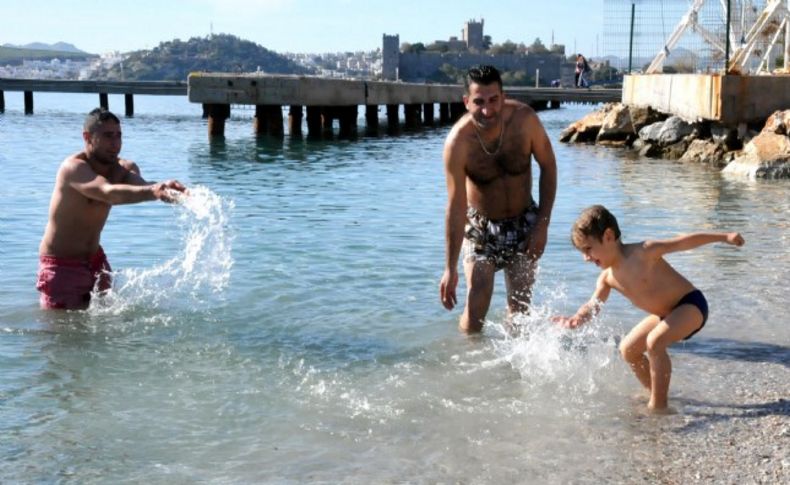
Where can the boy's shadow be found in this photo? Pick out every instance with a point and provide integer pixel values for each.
(728, 349)
(703, 419)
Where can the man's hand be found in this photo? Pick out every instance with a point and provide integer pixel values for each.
(169, 191)
(735, 239)
(538, 239)
(447, 288)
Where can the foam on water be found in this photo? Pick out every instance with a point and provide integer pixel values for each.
(196, 276)
(572, 362)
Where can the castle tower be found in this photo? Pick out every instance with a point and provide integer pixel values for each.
(390, 56)
(472, 34)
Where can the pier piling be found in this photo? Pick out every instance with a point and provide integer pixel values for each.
(104, 101)
(314, 121)
(427, 114)
(371, 118)
(217, 114)
(28, 102)
(129, 105)
(2, 102)
(295, 120)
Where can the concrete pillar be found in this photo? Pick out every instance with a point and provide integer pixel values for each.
(295, 120)
(371, 118)
(129, 105)
(28, 102)
(427, 114)
(217, 114)
(348, 120)
(412, 115)
(444, 113)
(392, 117)
(314, 121)
(103, 101)
(328, 116)
(2, 102)
(268, 120)
(456, 111)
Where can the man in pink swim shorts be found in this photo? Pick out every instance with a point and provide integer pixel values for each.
(72, 263)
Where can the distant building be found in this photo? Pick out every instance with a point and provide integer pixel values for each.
(461, 54)
(390, 56)
(472, 34)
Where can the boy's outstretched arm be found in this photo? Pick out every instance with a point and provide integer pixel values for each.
(684, 242)
(590, 309)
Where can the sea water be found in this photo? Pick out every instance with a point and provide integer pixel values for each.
(282, 323)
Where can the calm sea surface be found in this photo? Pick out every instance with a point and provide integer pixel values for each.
(285, 326)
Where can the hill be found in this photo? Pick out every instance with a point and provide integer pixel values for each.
(174, 60)
(58, 46)
(15, 55)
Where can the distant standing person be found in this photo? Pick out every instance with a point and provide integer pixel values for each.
(582, 68)
(677, 310)
(87, 185)
(490, 210)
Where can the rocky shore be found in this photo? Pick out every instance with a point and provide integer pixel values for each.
(745, 151)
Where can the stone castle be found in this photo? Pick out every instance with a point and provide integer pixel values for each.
(461, 54)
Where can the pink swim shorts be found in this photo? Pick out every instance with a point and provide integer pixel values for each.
(66, 283)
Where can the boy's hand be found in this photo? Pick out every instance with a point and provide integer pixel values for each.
(735, 239)
(567, 322)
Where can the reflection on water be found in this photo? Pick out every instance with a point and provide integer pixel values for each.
(287, 327)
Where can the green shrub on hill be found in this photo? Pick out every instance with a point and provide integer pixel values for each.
(174, 60)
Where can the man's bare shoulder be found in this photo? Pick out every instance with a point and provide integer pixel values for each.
(74, 163)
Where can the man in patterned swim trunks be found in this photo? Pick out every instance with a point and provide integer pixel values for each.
(490, 211)
(71, 262)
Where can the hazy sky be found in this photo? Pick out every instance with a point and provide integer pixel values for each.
(296, 25)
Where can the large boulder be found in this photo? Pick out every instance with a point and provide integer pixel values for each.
(766, 156)
(778, 122)
(705, 151)
(674, 130)
(616, 126)
(587, 128)
(641, 117)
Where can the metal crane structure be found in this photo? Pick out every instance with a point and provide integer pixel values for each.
(753, 32)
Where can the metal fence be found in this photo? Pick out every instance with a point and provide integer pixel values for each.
(692, 35)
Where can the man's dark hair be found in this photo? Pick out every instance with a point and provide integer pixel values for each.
(593, 222)
(96, 117)
(483, 75)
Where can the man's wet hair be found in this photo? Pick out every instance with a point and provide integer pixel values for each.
(96, 117)
(593, 222)
(482, 74)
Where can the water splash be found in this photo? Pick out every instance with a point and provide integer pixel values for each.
(575, 362)
(198, 274)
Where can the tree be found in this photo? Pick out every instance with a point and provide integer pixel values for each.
(537, 47)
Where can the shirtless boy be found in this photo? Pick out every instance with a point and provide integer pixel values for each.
(638, 270)
(88, 184)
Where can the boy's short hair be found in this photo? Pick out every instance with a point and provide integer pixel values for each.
(594, 221)
(482, 74)
(96, 117)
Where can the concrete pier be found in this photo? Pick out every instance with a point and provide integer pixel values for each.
(102, 88)
(731, 99)
(337, 98)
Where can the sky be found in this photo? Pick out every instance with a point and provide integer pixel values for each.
(308, 26)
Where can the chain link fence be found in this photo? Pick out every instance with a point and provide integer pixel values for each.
(691, 34)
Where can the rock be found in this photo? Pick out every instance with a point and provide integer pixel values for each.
(616, 125)
(587, 128)
(705, 151)
(641, 117)
(673, 130)
(778, 123)
(677, 149)
(766, 156)
(650, 150)
(650, 132)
